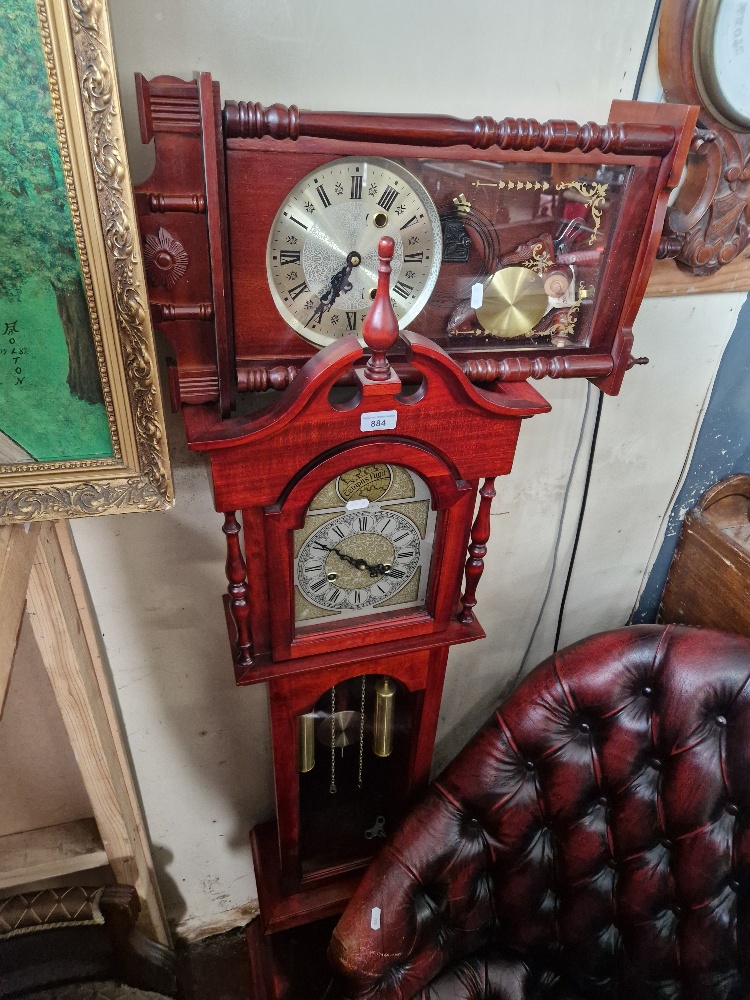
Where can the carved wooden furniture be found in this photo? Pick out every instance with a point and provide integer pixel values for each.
(588, 842)
(707, 226)
(709, 577)
(80, 933)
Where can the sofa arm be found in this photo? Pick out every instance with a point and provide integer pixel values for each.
(432, 888)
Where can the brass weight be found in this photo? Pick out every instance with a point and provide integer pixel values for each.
(385, 701)
(305, 742)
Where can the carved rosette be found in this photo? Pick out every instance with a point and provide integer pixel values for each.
(165, 258)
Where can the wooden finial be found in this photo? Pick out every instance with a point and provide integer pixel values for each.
(380, 328)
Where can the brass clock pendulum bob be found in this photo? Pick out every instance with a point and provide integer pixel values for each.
(336, 731)
(514, 301)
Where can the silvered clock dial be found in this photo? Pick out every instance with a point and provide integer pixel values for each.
(322, 258)
(366, 546)
(722, 38)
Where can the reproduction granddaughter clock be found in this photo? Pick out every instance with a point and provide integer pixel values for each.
(357, 513)
(397, 280)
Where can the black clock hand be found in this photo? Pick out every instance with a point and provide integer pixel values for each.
(357, 563)
(379, 569)
(339, 283)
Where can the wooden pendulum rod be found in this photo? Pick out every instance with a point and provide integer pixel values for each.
(480, 535)
(238, 590)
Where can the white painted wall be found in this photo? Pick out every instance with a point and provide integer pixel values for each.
(200, 747)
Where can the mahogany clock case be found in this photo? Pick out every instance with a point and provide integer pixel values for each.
(584, 205)
(516, 207)
(274, 467)
(449, 432)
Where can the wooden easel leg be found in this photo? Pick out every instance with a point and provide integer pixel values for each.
(17, 547)
(63, 624)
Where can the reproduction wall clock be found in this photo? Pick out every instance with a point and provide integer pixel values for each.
(523, 249)
(357, 503)
(703, 60)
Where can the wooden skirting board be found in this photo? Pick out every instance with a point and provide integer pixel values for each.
(40, 573)
(668, 279)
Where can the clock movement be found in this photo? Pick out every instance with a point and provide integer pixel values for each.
(397, 280)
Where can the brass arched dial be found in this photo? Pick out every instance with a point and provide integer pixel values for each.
(322, 258)
(366, 546)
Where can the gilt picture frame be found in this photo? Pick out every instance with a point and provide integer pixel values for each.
(81, 423)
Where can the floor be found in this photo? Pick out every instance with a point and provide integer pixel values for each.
(218, 968)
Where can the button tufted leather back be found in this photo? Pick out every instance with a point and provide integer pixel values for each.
(597, 830)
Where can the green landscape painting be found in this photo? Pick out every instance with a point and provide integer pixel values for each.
(51, 405)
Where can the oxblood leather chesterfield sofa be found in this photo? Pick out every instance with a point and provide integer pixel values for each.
(592, 841)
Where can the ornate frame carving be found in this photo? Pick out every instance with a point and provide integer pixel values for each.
(709, 224)
(77, 44)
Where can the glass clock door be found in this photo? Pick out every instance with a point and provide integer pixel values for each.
(352, 759)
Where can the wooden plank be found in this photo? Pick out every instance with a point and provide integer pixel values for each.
(49, 852)
(149, 891)
(40, 783)
(17, 546)
(62, 621)
(668, 279)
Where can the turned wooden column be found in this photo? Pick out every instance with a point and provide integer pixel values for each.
(238, 590)
(480, 534)
(380, 327)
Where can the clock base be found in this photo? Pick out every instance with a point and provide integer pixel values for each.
(280, 911)
(291, 965)
(287, 942)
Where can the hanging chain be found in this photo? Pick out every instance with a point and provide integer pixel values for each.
(361, 733)
(332, 788)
